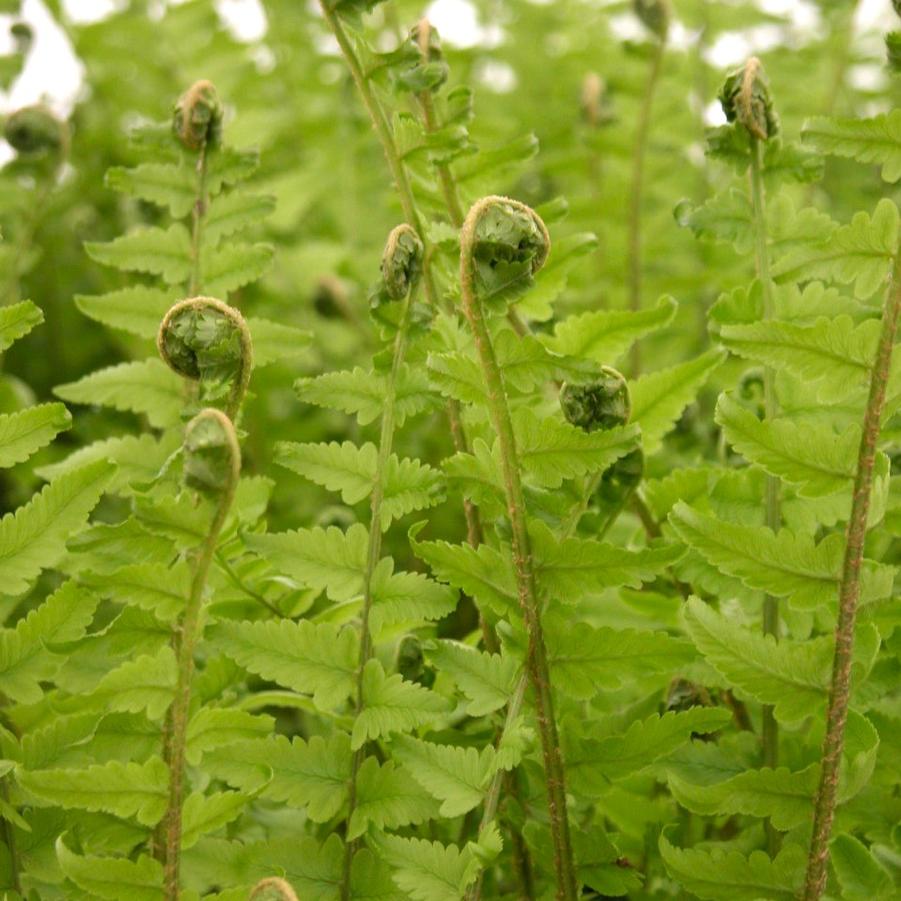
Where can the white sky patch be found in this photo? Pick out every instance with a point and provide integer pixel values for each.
(458, 24)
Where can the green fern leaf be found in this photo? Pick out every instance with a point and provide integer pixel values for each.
(235, 212)
(137, 310)
(456, 776)
(783, 564)
(876, 140)
(324, 559)
(137, 790)
(34, 537)
(228, 166)
(161, 590)
(730, 876)
(570, 568)
(227, 268)
(861, 875)
(315, 659)
(388, 798)
(428, 871)
(147, 387)
(834, 353)
(213, 727)
(859, 253)
(551, 450)
(404, 596)
(596, 762)
(112, 877)
(27, 431)
(361, 393)
(605, 335)
(163, 252)
(146, 684)
(273, 341)
(811, 456)
(163, 184)
(659, 398)
(16, 321)
(793, 676)
(487, 680)
(527, 364)
(202, 814)
(391, 704)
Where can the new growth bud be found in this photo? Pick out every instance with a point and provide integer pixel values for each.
(431, 69)
(654, 14)
(34, 130)
(745, 97)
(594, 101)
(505, 243)
(197, 121)
(206, 340)
(601, 404)
(401, 261)
(212, 463)
(273, 889)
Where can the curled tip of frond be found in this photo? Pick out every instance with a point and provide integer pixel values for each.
(273, 889)
(401, 261)
(503, 243)
(212, 454)
(34, 131)
(655, 15)
(422, 32)
(197, 120)
(202, 337)
(746, 99)
(603, 403)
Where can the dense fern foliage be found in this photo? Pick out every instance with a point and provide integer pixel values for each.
(453, 467)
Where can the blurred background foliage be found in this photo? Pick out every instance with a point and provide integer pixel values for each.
(558, 91)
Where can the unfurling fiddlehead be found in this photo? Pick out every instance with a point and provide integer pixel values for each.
(401, 273)
(503, 243)
(273, 889)
(746, 100)
(208, 341)
(35, 131)
(201, 339)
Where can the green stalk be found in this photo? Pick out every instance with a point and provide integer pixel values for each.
(185, 643)
(198, 215)
(373, 555)
(536, 658)
(772, 498)
(637, 190)
(849, 596)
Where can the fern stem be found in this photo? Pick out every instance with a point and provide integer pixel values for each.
(849, 596)
(198, 214)
(185, 643)
(536, 659)
(373, 555)
(637, 190)
(771, 485)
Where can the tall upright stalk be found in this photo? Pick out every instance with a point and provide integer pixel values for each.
(771, 485)
(209, 430)
(849, 596)
(382, 127)
(642, 131)
(536, 655)
(403, 254)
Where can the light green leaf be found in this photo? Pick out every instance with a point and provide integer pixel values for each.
(163, 184)
(27, 431)
(487, 680)
(163, 252)
(207, 813)
(112, 877)
(213, 727)
(234, 212)
(876, 140)
(138, 309)
(231, 266)
(17, 320)
(274, 341)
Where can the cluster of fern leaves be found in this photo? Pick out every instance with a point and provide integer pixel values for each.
(541, 582)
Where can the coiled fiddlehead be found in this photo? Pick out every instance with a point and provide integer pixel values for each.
(34, 131)
(601, 404)
(273, 889)
(401, 261)
(503, 243)
(745, 98)
(206, 340)
(197, 119)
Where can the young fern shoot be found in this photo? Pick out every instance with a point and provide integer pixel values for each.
(199, 338)
(401, 273)
(499, 232)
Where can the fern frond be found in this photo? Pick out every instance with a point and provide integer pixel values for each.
(27, 431)
(876, 140)
(157, 251)
(16, 321)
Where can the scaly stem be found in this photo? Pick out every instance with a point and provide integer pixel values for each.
(385, 135)
(638, 160)
(848, 597)
(772, 499)
(177, 719)
(198, 214)
(373, 555)
(536, 658)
